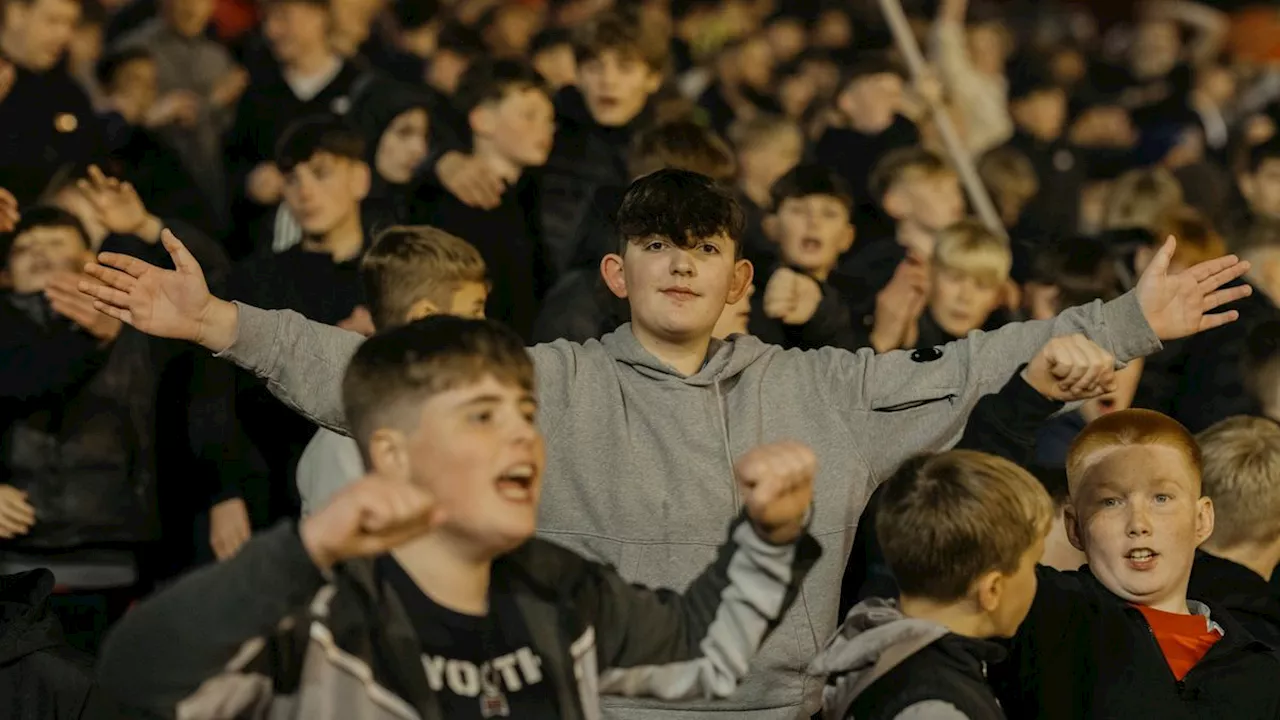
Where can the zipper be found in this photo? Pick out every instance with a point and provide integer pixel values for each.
(913, 404)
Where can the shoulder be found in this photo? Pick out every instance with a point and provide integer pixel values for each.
(931, 710)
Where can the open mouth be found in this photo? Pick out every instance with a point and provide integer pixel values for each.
(811, 245)
(1142, 558)
(517, 483)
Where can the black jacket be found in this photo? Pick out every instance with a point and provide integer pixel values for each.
(1243, 592)
(347, 649)
(41, 677)
(1082, 652)
(1054, 211)
(952, 670)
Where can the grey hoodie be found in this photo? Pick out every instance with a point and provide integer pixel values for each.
(874, 639)
(640, 458)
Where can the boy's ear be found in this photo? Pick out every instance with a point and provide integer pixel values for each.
(611, 269)
(652, 82)
(363, 179)
(388, 455)
(851, 234)
(482, 120)
(988, 589)
(421, 309)
(770, 227)
(1071, 523)
(1204, 519)
(741, 284)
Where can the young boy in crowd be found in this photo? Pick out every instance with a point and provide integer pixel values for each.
(969, 271)
(420, 587)
(409, 273)
(457, 47)
(551, 54)
(661, 381)
(307, 78)
(1241, 464)
(1011, 180)
(512, 120)
(1259, 185)
(962, 532)
(766, 147)
(1122, 637)
(1038, 106)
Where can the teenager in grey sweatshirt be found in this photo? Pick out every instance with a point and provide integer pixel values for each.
(638, 423)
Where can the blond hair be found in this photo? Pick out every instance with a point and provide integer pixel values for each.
(1128, 428)
(1242, 477)
(969, 248)
(1197, 239)
(947, 519)
(904, 165)
(411, 263)
(1010, 178)
(1141, 198)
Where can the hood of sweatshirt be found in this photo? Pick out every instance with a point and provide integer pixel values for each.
(27, 625)
(725, 358)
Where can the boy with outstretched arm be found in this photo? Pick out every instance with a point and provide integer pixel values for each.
(419, 591)
(631, 416)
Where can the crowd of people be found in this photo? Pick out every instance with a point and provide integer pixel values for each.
(636, 359)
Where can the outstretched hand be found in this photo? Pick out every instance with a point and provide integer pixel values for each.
(165, 303)
(1178, 304)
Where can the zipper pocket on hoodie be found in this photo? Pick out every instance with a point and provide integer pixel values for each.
(913, 404)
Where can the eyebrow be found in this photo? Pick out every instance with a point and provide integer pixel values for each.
(492, 399)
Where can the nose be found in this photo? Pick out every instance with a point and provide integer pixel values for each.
(1139, 523)
(682, 262)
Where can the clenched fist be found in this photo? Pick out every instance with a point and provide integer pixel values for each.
(367, 518)
(776, 482)
(791, 297)
(1072, 367)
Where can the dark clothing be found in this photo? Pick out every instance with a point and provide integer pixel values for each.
(756, 245)
(1241, 591)
(1054, 439)
(862, 273)
(157, 172)
(497, 649)
(579, 308)
(1082, 652)
(47, 126)
(1061, 170)
(40, 677)
(508, 239)
(950, 670)
(377, 103)
(349, 648)
(721, 113)
(584, 156)
(854, 154)
(830, 325)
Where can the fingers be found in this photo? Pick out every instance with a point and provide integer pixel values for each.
(182, 258)
(1209, 322)
(1160, 263)
(108, 292)
(111, 311)
(76, 307)
(1228, 295)
(1207, 269)
(1080, 367)
(126, 264)
(1224, 276)
(16, 514)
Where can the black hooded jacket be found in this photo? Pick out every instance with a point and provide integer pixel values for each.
(373, 106)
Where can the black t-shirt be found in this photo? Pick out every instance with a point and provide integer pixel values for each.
(478, 667)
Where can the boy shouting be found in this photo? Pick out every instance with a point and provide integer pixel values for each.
(418, 591)
(685, 406)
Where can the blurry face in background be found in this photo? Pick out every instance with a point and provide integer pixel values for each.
(403, 146)
(86, 47)
(294, 29)
(1068, 66)
(42, 252)
(420, 41)
(833, 30)
(787, 38)
(134, 89)
(796, 94)
(933, 201)
(1156, 49)
(616, 86)
(520, 126)
(1042, 114)
(187, 18)
(323, 192)
(961, 302)
(1262, 188)
(813, 232)
(445, 70)
(754, 64)
(557, 66)
(41, 31)
(1122, 399)
(988, 48)
(352, 23)
(512, 29)
(765, 164)
(1217, 84)
(871, 102)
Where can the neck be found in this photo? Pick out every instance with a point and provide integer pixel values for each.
(501, 165)
(455, 580)
(757, 190)
(868, 126)
(344, 242)
(953, 616)
(1261, 558)
(913, 236)
(312, 63)
(686, 357)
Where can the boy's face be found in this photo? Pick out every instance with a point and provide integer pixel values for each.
(1155, 49)
(43, 28)
(1138, 515)
(135, 88)
(677, 293)
(324, 191)
(1262, 188)
(478, 451)
(960, 302)
(933, 201)
(616, 86)
(1042, 113)
(1121, 399)
(521, 126)
(557, 65)
(872, 101)
(403, 146)
(188, 18)
(813, 232)
(1019, 592)
(766, 163)
(445, 71)
(468, 300)
(294, 29)
(42, 252)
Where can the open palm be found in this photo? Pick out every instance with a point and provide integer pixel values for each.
(1177, 305)
(164, 303)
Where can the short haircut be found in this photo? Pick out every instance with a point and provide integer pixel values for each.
(460, 40)
(1140, 198)
(1197, 239)
(680, 206)
(92, 13)
(947, 519)
(759, 130)
(315, 134)
(970, 248)
(550, 39)
(868, 65)
(487, 81)
(628, 33)
(1030, 76)
(1261, 153)
(1083, 269)
(395, 371)
(1242, 477)
(110, 64)
(407, 264)
(40, 216)
(1007, 172)
(685, 145)
(1128, 428)
(904, 164)
(415, 14)
(809, 179)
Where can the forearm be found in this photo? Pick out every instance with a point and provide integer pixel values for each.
(1006, 423)
(164, 649)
